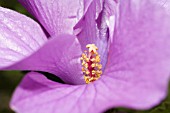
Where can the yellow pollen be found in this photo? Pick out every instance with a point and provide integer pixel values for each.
(93, 72)
(87, 72)
(92, 47)
(91, 66)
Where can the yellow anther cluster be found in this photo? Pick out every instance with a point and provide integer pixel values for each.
(91, 66)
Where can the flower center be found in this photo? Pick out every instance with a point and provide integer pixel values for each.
(91, 66)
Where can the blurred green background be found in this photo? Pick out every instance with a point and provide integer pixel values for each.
(9, 80)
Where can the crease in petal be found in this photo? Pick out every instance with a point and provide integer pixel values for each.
(20, 36)
(59, 56)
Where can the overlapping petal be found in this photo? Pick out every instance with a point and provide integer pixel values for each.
(57, 16)
(20, 36)
(95, 26)
(89, 18)
(136, 75)
(86, 28)
(59, 56)
(139, 55)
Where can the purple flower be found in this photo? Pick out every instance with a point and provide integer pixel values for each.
(133, 42)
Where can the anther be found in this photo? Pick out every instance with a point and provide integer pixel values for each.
(91, 66)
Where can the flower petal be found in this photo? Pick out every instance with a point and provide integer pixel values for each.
(20, 36)
(59, 56)
(36, 94)
(139, 58)
(57, 16)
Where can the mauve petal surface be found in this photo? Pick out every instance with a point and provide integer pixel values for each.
(86, 28)
(57, 16)
(95, 26)
(20, 36)
(139, 57)
(59, 56)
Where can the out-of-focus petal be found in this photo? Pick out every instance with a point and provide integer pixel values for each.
(59, 56)
(20, 36)
(138, 68)
(57, 16)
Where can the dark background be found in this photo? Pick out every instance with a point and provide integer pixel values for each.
(10, 79)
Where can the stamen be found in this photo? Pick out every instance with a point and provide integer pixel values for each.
(91, 66)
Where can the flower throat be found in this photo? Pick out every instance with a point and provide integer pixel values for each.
(91, 66)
